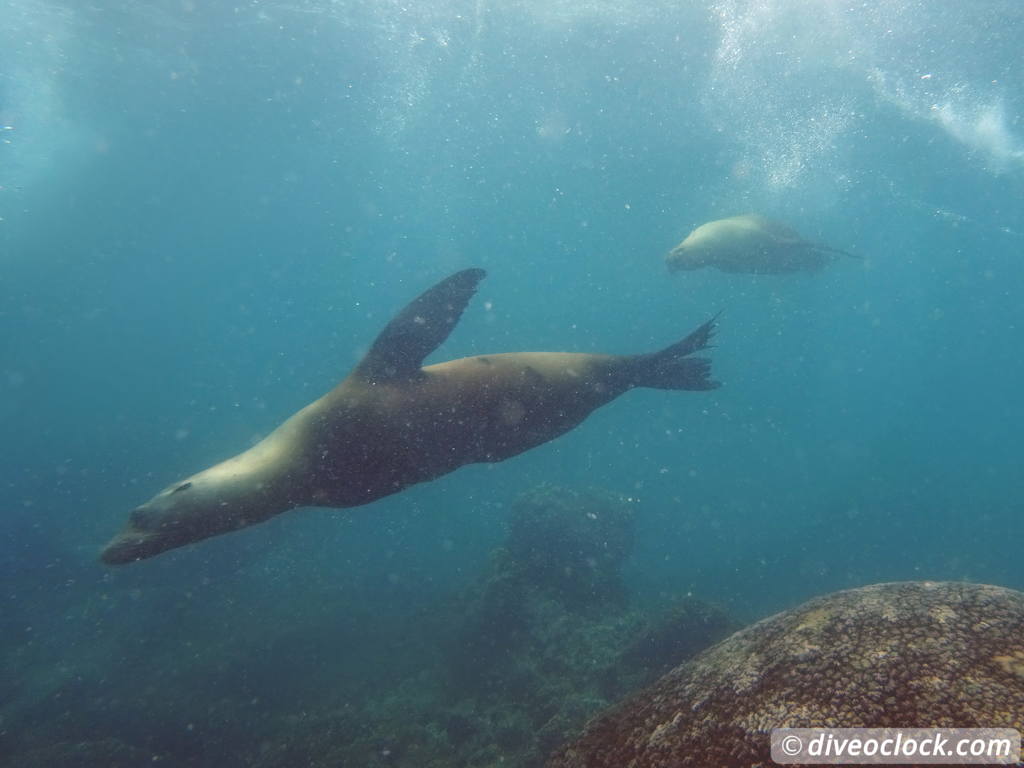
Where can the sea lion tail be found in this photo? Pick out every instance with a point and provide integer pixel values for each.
(672, 368)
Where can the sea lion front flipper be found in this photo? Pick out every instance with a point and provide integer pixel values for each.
(420, 328)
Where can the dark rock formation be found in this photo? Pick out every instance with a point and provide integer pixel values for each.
(686, 629)
(573, 543)
(543, 640)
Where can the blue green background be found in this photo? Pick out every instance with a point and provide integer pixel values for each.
(208, 210)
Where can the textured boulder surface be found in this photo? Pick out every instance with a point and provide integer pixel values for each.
(903, 654)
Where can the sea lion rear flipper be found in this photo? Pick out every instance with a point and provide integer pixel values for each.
(672, 368)
(420, 328)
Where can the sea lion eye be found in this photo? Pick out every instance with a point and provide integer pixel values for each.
(182, 487)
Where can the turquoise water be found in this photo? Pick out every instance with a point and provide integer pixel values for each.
(207, 212)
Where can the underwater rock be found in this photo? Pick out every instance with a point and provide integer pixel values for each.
(563, 554)
(547, 638)
(544, 639)
(902, 654)
(686, 629)
(571, 542)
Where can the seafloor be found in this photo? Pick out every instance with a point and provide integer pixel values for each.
(500, 675)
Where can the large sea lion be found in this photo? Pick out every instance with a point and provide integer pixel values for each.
(750, 243)
(392, 423)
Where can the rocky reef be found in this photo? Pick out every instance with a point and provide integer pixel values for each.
(544, 639)
(498, 673)
(912, 654)
(571, 544)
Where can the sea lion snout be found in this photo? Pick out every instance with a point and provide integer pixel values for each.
(683, 258)
(128, 546)
(131, 543)
(149, 531)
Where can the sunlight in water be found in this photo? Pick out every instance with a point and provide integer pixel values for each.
(37, 137)
(791, 84)
(983, 130)
(976, 121)
(785, 134)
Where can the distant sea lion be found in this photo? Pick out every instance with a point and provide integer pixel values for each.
(392, 423)
(750, 243)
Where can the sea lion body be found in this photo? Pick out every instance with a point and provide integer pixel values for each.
(476, 409)
(392, 423)
(751, 244)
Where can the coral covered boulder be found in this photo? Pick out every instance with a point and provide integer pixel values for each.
(901, 654)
